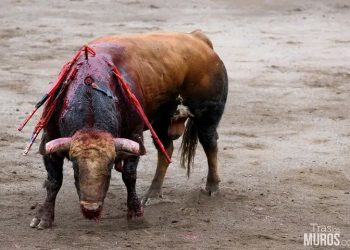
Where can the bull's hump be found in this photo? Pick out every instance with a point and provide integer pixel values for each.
(201, 36)
(152, 40)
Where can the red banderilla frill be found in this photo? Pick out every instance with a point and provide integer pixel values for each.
(67, 73)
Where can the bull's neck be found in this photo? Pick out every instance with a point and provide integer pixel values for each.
(91, 101)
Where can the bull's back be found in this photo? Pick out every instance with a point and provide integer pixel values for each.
(164, 65)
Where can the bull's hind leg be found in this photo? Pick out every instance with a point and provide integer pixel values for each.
(208, 138)
(208, 119)
(46, 212)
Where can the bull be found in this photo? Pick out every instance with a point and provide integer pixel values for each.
(96, 126)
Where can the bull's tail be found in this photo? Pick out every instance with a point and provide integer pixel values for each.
(189, 145)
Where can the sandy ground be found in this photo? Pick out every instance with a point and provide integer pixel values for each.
(284, 138)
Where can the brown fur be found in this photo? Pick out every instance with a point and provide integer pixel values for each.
(203, 37)
(176, 127)
(164, 64)
(92, 143)
(93, 150)
(177, 123)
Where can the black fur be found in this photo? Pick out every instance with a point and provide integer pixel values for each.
(207, 114)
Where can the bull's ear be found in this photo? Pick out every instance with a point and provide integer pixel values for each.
(126, 148)
(58, 145)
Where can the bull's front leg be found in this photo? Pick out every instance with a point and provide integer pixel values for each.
(155, 190)
(46, 212)
(129, 175)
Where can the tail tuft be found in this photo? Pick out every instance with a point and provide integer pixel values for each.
(189, 145)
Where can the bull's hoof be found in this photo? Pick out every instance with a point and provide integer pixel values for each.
(156, 198)
(43, 219)
(135, 214)
(153, 196)
(40, 223)
(211, 189)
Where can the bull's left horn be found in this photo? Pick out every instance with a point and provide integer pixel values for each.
(128, 146)
(58, 145)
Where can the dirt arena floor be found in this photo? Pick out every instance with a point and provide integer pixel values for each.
(284, 138)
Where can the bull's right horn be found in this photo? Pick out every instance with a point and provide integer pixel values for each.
(128, 146)
(58, 145)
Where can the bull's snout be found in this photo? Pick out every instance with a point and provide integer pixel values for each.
(91, 210)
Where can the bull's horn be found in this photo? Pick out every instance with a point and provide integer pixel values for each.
(58, 145)
(128, 146)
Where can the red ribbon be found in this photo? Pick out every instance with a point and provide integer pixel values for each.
(139, 109)
(51, 97)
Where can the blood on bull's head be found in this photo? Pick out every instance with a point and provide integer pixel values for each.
(93, 153)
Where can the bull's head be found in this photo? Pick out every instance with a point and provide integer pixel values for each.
(93, 153)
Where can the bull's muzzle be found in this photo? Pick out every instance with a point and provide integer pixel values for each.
(91, 210)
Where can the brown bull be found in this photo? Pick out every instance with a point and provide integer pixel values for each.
(98, 127)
